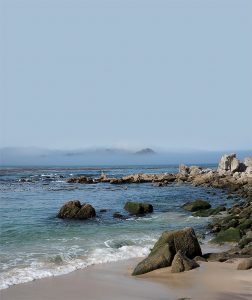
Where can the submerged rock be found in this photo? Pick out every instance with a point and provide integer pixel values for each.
(74, 210)
(182, 263)
(196, 205)
(117, 215)
(166, 248)
(138, 208)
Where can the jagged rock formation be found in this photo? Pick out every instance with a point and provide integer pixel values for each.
(167, 247)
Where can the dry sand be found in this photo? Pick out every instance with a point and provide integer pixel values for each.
(113, 281)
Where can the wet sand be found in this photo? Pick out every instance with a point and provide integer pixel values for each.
(220, 281)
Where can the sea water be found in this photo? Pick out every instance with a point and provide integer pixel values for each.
(35, 243)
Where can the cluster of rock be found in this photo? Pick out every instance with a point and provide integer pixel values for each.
(75, 210)
(230, 165)
(202, 208)
(180, 245)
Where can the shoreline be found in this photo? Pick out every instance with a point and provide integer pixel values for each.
(213, 280)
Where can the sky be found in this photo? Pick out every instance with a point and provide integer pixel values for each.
(167, 74)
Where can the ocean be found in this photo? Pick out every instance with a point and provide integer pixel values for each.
(36, 244)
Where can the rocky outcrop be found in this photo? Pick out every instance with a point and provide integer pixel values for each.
(229, 164)
(138, 208)
(166, 248)
(182, 263)
(74, 210)
(196, 205)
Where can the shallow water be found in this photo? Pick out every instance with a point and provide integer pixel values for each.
(35, 244)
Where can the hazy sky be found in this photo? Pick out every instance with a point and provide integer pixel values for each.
(127, 73)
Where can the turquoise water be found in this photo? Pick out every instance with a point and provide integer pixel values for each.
(35, 244)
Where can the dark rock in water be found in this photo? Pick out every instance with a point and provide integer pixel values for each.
(74, 210)
(196, 205)
(166, 248)
(245, 264)
(117, 215)
(69, 209)
(86, 212)
(182, 263)
(81, 179)
(138, 208)
(229, 235)
(103, 210)
(209, 212)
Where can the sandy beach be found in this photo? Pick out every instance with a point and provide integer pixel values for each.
(211, 281)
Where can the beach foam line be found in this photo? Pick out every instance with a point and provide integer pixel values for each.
(38, 270)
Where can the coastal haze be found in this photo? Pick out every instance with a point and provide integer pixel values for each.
(121, 120)
(108, 157)
(126, 74)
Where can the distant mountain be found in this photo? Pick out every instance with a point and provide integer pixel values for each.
(146, 151)
(32, 156)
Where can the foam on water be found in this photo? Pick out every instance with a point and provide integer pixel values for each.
(61, 265)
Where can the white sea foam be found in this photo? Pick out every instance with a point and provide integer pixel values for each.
(38, 270)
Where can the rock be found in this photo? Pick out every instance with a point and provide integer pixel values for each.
(81, 179)
(166, 248)
(221, 256)
(103, 210)
(229, 164)
(86, 212)
(248, 161)
(195, 170)
(245, 264)
(229, 235)
(209, 212)
(182, 263)
(183, 169)
(104, 178)
(247, 250)
(244, 241)
(117, 215)
(199, 258)
(196, 205)
(245, 224)
(138, 208)
(74, 210)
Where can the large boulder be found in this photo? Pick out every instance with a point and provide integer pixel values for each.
(196, 205)
(74, 210)
(138, 208)
(229, 164)
(182, 263)
(166, 248)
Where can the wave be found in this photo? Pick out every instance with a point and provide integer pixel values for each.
(63, 264)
